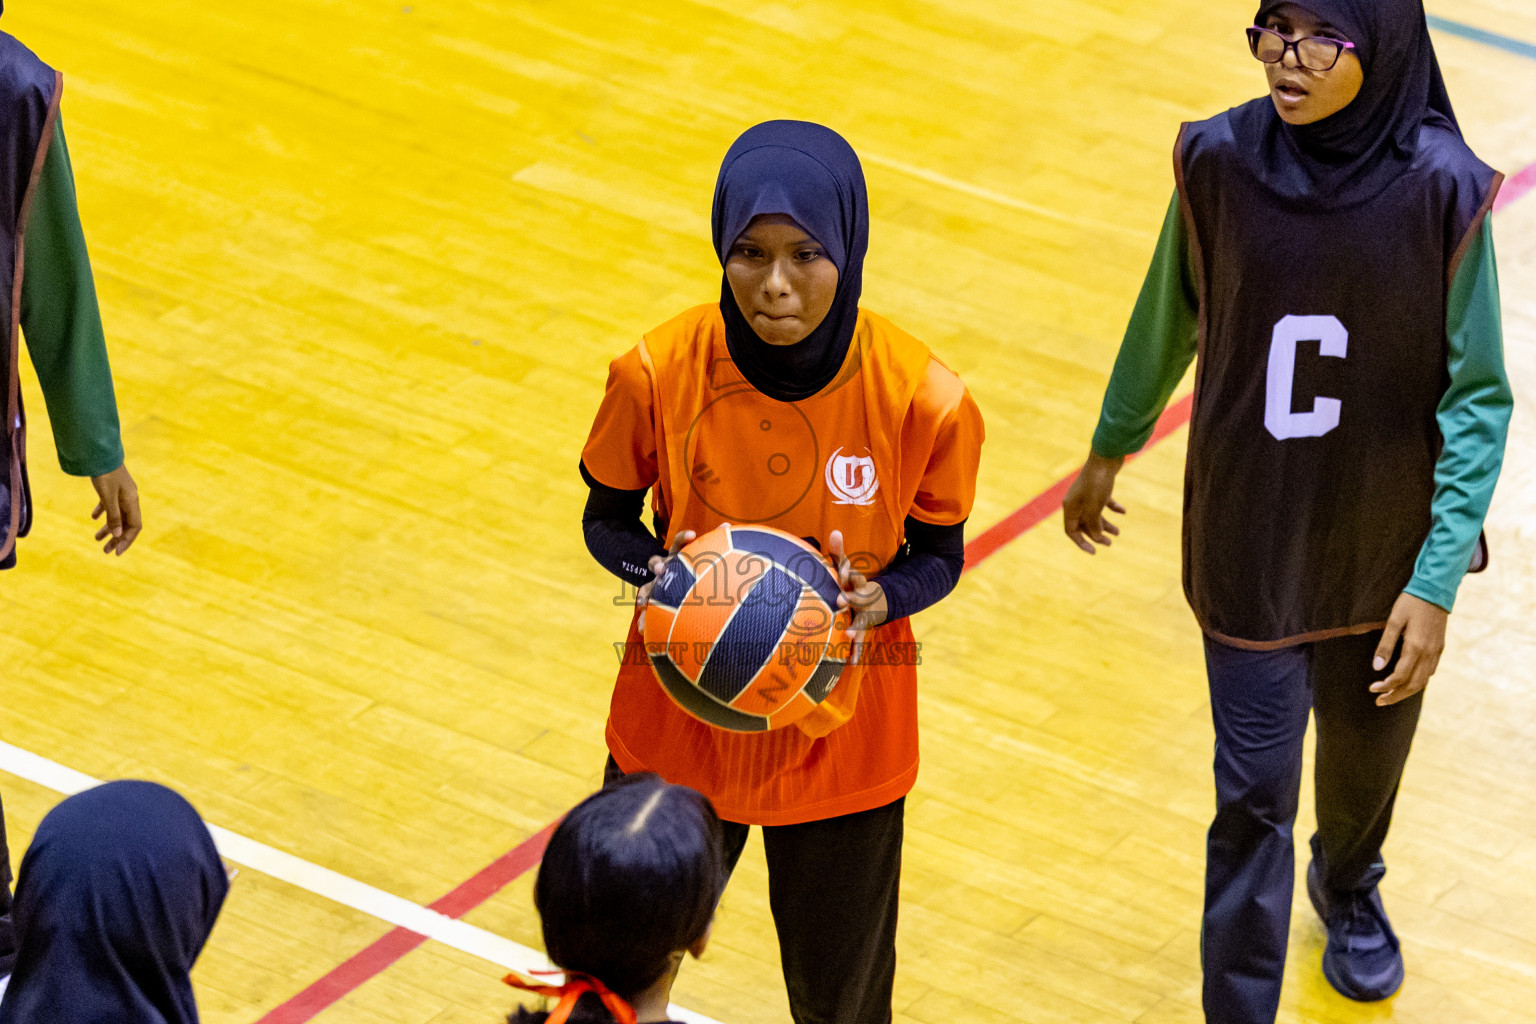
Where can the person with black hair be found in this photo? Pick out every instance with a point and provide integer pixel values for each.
(628, 886)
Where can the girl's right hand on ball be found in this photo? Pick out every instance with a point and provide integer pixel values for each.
(864, 597)
(1083, 509)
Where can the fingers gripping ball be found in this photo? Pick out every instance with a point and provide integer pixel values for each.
(743, 631)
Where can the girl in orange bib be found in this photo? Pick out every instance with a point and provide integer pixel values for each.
(786, 405)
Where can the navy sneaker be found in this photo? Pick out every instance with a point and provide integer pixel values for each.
(1363, 960)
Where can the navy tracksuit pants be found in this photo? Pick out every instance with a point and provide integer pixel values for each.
(1260, 702)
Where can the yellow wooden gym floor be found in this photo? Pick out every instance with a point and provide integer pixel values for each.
(362, 265)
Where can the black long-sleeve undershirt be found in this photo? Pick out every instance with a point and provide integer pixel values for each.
(923, 572)
(615, 532)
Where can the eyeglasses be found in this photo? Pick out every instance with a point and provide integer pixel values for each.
(1315, 53)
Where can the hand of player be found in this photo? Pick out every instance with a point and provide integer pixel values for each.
(658, 565)
(863, 595)
(1421, 627)
(119, 501)
(1083, 509)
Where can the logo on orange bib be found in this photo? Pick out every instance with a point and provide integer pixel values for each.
(851, 479)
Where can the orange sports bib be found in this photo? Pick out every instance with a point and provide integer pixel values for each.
(895, 434)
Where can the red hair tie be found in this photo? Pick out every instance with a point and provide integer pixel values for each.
(575, 986)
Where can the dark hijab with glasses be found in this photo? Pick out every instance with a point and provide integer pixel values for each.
(1337, 283)
(1355, 154)
(1353, 229)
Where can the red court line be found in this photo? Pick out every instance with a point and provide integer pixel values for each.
(384, 953)
(379, 956)
(1045, 504)
(395, 944)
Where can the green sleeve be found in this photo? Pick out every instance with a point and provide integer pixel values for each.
(62, 324)
(1474, 421)
(1158, 347)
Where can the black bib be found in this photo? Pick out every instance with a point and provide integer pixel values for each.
(29, 101)
(1322, 362)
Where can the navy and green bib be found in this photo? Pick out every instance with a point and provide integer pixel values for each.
(29, 103)
(1322, 363)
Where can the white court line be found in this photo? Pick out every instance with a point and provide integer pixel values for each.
(332, 885)
(1001, 198)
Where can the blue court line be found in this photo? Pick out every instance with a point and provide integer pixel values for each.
(1480, 35)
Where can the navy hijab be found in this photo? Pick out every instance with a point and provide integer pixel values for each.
(1355, 154)
(809, 173)
(114, 901)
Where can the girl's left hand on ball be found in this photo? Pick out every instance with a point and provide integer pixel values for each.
(658, 565)
(863, 595)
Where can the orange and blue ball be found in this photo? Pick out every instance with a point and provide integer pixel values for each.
(743, 631)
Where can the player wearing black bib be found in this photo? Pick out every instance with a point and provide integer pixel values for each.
(47, 293)
(1329, 257)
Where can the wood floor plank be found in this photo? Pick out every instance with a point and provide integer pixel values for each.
(362, 265)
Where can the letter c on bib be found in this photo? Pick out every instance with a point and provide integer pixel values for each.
(1333, 340)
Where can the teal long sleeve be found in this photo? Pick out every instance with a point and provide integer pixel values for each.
(62, 324)
(1474, 421)
(1159, 345)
